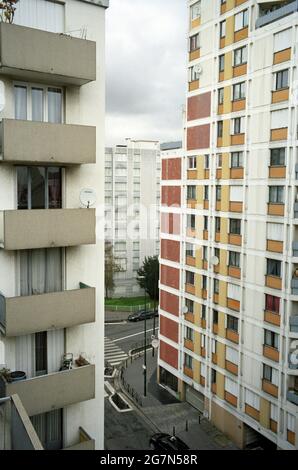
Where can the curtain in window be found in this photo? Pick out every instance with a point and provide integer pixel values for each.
(37, 104)
(236, 193)
(252, 399)
(275, 232)
(20, 102)
(231, 387)
(54, 105)
(234, 292)
(232, 355)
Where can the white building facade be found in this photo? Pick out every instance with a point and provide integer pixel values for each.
(52, 253)
(132, 199)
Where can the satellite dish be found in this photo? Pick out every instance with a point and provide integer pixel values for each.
(199, 70)
(184, 310)
(214, 261)
(87, 197)
(155, 342)
(2, 96)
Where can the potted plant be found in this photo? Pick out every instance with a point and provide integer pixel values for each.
(7, 8)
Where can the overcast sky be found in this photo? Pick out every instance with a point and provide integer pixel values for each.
(146, 69)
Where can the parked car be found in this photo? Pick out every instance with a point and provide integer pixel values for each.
(141, 315)
(162, 441)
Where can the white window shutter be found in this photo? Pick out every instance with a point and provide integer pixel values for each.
(274, 412)
(234, 292)
(236, 193)
(282, 40)
(232, 355)
(252, 399)
(279, 119)
(291, 422)
(275, 232)
(275, 376)
(203, 370)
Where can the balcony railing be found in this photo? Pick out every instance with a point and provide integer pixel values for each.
(30, 142)
(39, 56)
(46, 228)
(52, 391)
(277, 14)
(16, 429)
(34, 313)
(292, 396)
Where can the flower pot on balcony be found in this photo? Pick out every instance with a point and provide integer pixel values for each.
(16, 376)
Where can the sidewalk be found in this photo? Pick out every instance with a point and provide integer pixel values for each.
(166, 412)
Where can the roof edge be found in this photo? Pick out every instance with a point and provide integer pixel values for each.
(98, 3)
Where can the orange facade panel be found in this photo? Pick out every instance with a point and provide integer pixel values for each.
(236, 173)
(276, 209)
(282, 56)
(272, 317)
(233, 304)
(195, 85)
(280, 96)
(193, 55)
(232, 336)
(239, 70)
(235, 272)
(238, 105)
(252, 412)
(188, 372)
(240, 35)
(275, 246)
(269, 388)
(191, 174)
(274, 282)
(238, 139)
(189, 317)
(277, 172)
(279, 134)
(235, 239)
(271, 353)
(230, 367)
(190, 289)
(191, 261)
(236, 206)
(188, 344)
(231, 399)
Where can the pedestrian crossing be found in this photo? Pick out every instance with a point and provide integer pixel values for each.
(113, 354)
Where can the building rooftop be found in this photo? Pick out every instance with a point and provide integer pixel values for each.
(99, 3)
(171, 145)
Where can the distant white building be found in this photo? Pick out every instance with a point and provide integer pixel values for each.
(132, 199)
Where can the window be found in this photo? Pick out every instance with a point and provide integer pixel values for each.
(217, 224)
(232, 355)
(219, 160)
(213, 376)
(216, 286)
(271, 339)
(191, 192)
(222, 29)
(214, 346)
(195, 10)
(206, 193)
(275, 232)
(187, 361)
(38, 103)
(238, 126)
(203, 312)
(231, 387)
(282, 80)
(239, 91)
(192, 163)
(205, 253)
(215, 317)
(189, 251)
(237, 160)
(204, 282)
(241, 20)
(272, 303)
(236, 193)
(270, 374)
(206, 222)
(234, 292)
(219, 129)
(273, 267)
(240, 56)
(190, 305)
(279, 119)
(221, 63)
(217, 252)
(190, 278)
(234, 259)
(218, 193)
(278, 157)
(191, 221)
(189, 333)
(220, 96)
(235, 226)
(282, 40)
(194, 42)
(44, 14)
(252, 399)
(276, 194)
(232, 323)
(207, 162)
(193, 73)
(39, 187)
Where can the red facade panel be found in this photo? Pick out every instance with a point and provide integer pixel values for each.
(170, 223)
(171, 196)
(198, 137)
(171, 169)
(169, 302)
(169, 328)
(168, 354)
(170, 250)
(199, 106)
(169, 276)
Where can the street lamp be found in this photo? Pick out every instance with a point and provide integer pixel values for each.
(145, 341)
(154, 307)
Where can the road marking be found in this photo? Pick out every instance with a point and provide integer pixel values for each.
(135, 334)
(113, 354)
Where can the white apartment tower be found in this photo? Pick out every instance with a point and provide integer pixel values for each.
(229, 235)
(52, 254)
(132, 200)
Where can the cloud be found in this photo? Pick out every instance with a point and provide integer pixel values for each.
(146, 69)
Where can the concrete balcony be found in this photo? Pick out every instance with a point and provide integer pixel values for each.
(52, 391)
(46, 228)
(85, 442)
(31, 314)
(16, 429)
(39, 56)
(292, 396)
(277, 14)
(40, 143)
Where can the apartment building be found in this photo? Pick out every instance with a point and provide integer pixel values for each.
(228, 286)
(52, 253)
(132, 200)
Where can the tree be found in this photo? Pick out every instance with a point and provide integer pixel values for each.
(148, 276)
(111, 267)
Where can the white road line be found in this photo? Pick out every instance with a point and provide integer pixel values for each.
(130, 336)
(113, 354)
